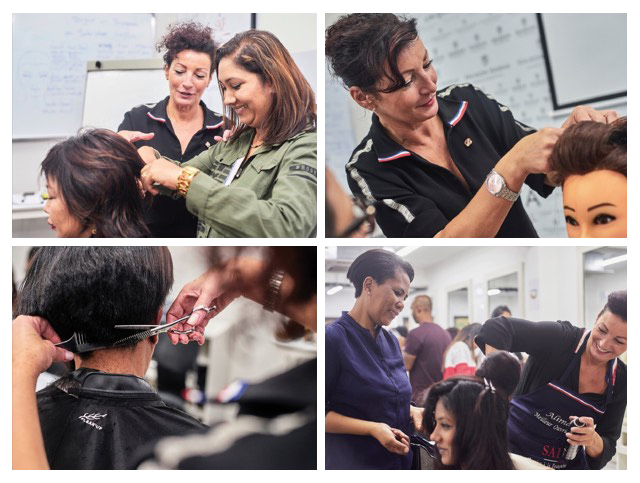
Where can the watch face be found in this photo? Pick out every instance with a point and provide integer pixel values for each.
(494, 183)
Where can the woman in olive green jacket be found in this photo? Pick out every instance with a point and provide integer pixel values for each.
(262, 181)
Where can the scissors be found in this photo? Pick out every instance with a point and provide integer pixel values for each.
(161, 329)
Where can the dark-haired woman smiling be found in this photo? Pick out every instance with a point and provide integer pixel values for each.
(262, 182)
(368, 418)
(93, 187)
(571, 374)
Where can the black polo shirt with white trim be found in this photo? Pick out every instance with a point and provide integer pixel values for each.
(416, 198)
(168, 217)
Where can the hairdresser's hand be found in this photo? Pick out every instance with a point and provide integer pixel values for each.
(531, 154)
(586, 113)
(207, 290)
(226, 135)
(33, 350)
(162, 172)
(583, 436)
(220, 286)
(133, 136)
(416, 416)
(392, 439)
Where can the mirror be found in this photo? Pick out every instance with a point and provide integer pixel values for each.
(604, 270)
(458, 307)
(504, 291)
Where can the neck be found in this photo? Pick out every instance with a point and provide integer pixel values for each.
(183, 113)
(123, 360)
(359, 314)
(408, 134)
(427, 319)
(588, 359)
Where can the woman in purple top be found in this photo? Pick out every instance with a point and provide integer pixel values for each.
(368, 412)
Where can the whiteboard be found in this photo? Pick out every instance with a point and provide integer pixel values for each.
(585, 55)
(50, 52)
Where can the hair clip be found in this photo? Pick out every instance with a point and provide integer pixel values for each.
(489, 385)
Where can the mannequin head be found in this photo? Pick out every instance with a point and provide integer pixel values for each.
(590, 161)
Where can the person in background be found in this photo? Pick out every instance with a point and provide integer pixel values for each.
(180, 126)
(453, 332)
(401, 333)
(94, 187)
(572, 374)
(460, 357)
(368, 412)
(501, 311)
(424, 349)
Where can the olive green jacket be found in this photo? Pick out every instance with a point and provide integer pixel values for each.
(274, 195)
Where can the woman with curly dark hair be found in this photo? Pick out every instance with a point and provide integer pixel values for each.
(180, 126)
(590, 162)
(82, 174)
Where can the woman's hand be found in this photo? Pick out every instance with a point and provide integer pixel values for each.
(148, 154)
(586, 436)
(586, 113)
(133, 136)
(392, 439)
(531, 154)
(33, 348)
(226, 135)
(417, 415)
(162, 172)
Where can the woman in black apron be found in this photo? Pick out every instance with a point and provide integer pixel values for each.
(573, 378)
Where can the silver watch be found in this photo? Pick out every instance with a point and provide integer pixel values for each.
(497, 186)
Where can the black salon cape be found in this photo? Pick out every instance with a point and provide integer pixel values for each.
(93, 420)
(276, 428)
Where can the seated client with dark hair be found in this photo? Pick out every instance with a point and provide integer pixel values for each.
(93, 187)
(99, 414)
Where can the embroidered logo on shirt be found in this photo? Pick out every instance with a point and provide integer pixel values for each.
(91, 418)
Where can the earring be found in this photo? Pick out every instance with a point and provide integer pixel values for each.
(94, 231)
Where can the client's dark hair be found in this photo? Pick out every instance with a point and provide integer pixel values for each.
(616, 304)
(92, 289)
(503, 369)
(97, 175)
(379, 264)
(480, 409)
(363, 48)
(590, 146)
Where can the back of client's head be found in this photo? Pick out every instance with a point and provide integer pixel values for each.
(92, 289)
(97, 173)
(479, 409)
(590, 146)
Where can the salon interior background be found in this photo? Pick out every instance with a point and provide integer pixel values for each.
(503, 55)
(50, 55)
(240, 340)
(467, 283)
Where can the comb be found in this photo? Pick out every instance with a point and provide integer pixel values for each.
(78, 344)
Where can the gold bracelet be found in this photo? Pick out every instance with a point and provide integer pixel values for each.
(184, 180)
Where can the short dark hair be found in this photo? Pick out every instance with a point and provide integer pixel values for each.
(91, 289)
(379, 264)
(481, 411)
(590, 146)
(363, 48)
(616, 304)
(188, 35)
(293, 107)
(499, 310)
(97, 174)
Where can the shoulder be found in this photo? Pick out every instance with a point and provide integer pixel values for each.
(305, 140)
(335, 331)
(363, 153)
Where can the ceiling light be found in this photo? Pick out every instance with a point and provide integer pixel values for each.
(493, 291)
(403, 252)
(611, 261)
(334, 290)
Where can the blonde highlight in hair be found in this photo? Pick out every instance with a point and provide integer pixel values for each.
(293, 105)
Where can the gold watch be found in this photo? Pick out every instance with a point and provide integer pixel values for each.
(184, 180)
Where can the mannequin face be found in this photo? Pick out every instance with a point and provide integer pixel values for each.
(595, 205)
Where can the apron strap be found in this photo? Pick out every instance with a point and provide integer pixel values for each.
(582, 343)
